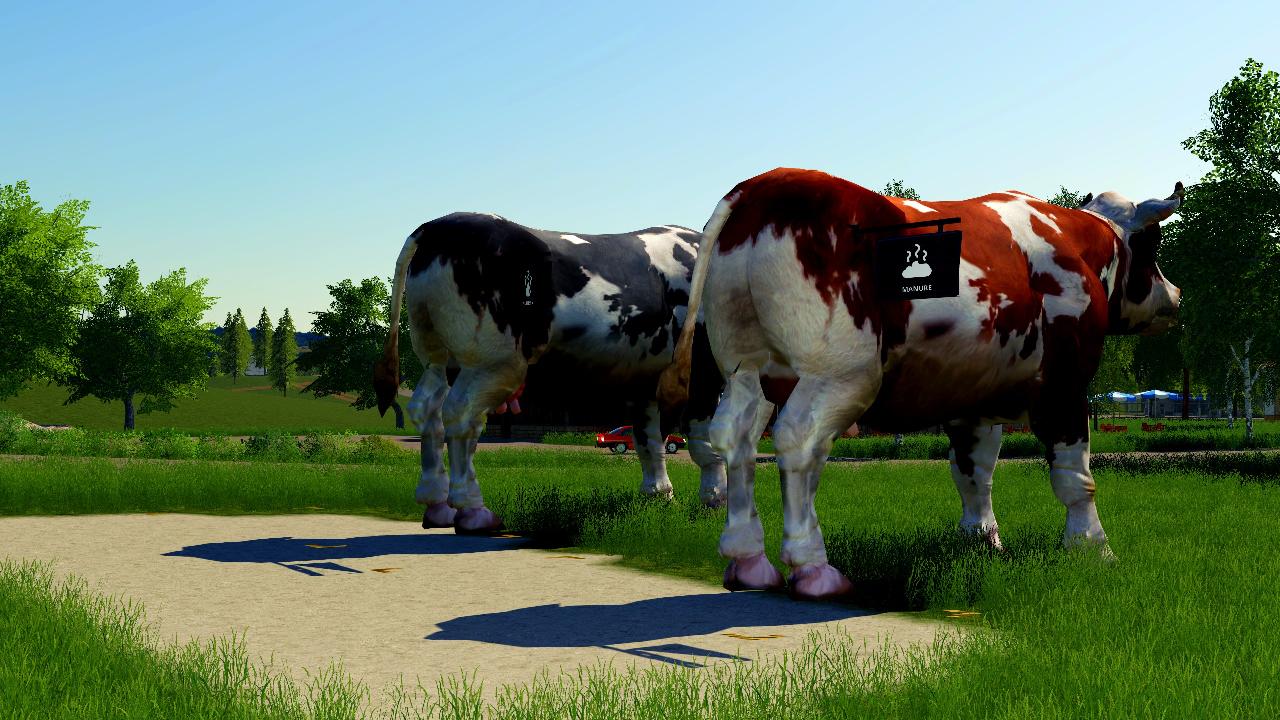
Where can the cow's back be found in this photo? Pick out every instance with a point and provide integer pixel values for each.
(595, 305)
(1029, 275)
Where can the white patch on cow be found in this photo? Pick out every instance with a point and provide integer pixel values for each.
(574, 239)
(1108, 274)
(1016, 215)
(918, 206)
(661, 249)
(589, 309)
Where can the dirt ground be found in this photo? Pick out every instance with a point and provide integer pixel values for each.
(389, 599)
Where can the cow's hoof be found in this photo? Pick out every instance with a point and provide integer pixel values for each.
(1099, 547)
(713, 498)
(438, 515)
(819, 582)
(987, 536)
(660, 492)
(476, 521)
(752, 573)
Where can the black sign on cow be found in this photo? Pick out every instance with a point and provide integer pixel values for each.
(914, 267)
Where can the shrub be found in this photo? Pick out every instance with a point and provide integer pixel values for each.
(169, 445)
(330, 447)
(273, 446)
(377, 449)
(219, 447)
(569, 438)
(13, 429)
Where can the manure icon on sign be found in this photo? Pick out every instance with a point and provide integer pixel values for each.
(917, 267)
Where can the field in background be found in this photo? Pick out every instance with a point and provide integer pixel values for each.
(1181, 620)
(247, 407)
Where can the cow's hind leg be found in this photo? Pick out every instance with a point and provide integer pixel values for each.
(474, 391)
(650, 445)
(974, 449)
(735, 430)
(424, 411)
(818, 410)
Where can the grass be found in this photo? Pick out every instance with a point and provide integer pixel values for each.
(1184, 620)
(246, 407)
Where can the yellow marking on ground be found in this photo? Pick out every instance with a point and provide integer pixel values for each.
(385, 570)
(567, 557)
(961, 613)
(324, 547)
(314, 507)
(506, 535)
(740, 636)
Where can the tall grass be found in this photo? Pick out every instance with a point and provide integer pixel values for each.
(1182, 625)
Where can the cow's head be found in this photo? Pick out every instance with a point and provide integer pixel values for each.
(1143, 300)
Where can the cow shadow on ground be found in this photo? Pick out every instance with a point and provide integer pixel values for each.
(550, 626)
(302, 549)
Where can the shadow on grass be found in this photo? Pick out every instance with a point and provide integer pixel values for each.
(294, 549)
(663, 618)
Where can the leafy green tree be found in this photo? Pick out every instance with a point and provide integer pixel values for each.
(262, 342)
(896, 188)
(1224, 250)
(1067, 198)
(143, 341)
(354, 328)
(1115, 372)
(47, 279)
(284, 354)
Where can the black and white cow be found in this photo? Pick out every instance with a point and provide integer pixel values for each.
(603, 311)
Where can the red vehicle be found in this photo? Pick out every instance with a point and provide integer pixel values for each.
(622, 439)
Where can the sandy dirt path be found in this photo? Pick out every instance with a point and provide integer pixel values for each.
(387, 598)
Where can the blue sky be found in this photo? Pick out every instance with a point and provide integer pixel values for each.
(275, 148)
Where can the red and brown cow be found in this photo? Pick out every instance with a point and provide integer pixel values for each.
(794, 320)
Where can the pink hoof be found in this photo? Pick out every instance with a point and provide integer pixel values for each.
(819, 582)
(476, 521)
(438, 515)
(988, 536)
(752, 573)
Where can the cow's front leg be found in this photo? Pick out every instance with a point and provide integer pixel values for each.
(734, 432)
(1068, 456)
(650, 446)
(424, 410)
(714, 483)
(473, 393)
(974, 449)
(818, 410)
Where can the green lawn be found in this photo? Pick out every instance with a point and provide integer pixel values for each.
(1183, 625)
(246, 407)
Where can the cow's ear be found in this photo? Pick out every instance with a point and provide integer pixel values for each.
(1086, 200)
(1151, 212)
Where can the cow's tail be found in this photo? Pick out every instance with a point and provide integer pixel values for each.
(673, 386)
(386, 372)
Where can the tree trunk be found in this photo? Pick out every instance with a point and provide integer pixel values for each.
(1186, 393)
(129, 414)
(399, 415)
(1231, 419)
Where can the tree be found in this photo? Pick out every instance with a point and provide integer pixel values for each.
(1225, 247)
(284, 354)
(1067, 198)
(1115, 372)
(47, 279)
(896, 188)
(143, 341)
(355, 327)
(262, 342)
(236, 345)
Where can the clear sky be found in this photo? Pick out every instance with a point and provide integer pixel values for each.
(278, 147)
